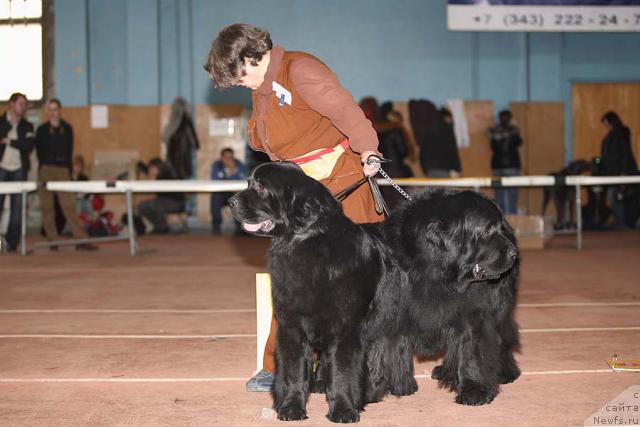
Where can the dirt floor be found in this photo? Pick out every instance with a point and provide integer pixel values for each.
(168, 338)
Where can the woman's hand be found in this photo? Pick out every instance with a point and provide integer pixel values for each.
(369, 169)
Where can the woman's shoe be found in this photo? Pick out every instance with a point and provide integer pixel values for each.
(262, 381)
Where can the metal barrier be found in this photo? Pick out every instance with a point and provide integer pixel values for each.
(205, 186)
(130, 187)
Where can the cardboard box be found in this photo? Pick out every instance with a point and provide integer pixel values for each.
(532, 231)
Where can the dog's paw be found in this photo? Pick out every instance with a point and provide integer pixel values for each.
(405, 389)
(292, 413)
(509, 374)
(348, 415)
(437, 373)
(474, 394)
(445, 380)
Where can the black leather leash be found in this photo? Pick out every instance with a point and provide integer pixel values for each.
(380, 205)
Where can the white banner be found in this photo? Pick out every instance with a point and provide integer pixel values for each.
(487, 17)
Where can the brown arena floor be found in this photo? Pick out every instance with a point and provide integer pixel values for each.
(108, 339)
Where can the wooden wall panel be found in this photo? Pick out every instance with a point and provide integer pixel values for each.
(590, 101)
(210, 146)
(130, 128)
(542, 152)
(476, 159)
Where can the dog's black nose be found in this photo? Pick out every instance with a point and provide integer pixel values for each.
(233, 202)
(513, 255)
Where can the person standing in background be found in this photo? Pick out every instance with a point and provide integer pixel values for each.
(616, 158)
(505, 142)
(440, 157)
(54, 147)
(181, 139)
(16, 144)
(226, 168)
(436, 139)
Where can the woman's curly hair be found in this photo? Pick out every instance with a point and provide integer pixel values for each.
(225, 62)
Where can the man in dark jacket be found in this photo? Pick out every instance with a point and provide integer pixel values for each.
(54, 147)
(16, 143)
(505, 142)
(617, 158)
(616, 155)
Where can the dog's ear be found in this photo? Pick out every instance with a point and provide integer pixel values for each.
(434, 236)
(465, 278)
(305, 213)
(467, 262)
(461, 287)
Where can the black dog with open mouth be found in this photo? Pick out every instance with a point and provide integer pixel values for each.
(336, 290)
(461, 258)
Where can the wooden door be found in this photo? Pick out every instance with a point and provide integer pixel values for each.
(542, 152)
(590, 101)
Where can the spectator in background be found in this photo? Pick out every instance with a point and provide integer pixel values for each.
(505, 142)
(157, 209)
(83, 200)
(227, 167)
(181, 139)
(78, 172)
(439, 153)
(54, 147)
(371, 109)
(617, 158)
(434, 135)
(394, 142)
(16, 144)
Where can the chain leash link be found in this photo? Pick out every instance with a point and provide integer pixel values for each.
(377, 159)
(396, 186)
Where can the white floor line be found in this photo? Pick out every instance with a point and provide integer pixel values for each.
(572, 371)
(613, 328)
(580, 304)
(232, 379)
(127, 311)
(133, 337)
(117, 380)
(561, 372)
(107, 270)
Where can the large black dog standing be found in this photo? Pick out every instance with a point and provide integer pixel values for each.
(325, 273)
(338, 288)
(462, 262)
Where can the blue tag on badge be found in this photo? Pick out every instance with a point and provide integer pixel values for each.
(283, 95)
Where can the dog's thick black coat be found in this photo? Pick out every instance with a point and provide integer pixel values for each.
(461, 259)
(336, 290)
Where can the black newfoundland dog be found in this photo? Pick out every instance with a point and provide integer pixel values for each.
(461, 259)
(438, 277)
(336, 290)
